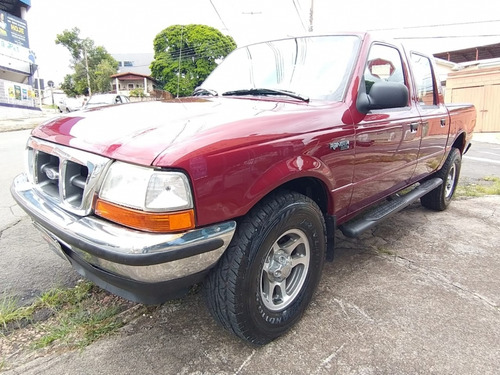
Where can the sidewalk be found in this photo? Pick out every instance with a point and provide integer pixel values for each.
(486, 137)
(7, 125)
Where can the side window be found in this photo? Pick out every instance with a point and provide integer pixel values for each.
(384, 64)
(422, 70)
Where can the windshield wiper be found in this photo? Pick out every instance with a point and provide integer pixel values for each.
(266, 92)
(201, 91)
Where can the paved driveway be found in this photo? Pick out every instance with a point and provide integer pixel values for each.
(418, 295)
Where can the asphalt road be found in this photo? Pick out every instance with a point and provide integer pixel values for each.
(483, 159)
(417, 295)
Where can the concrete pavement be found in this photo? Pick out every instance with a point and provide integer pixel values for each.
(23, 123)
(420, 294)
(417, 295)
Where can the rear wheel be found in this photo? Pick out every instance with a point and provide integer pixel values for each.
(439, 198)
(266, 278)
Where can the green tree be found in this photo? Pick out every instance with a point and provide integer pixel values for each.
(185, 55)
(92, 65)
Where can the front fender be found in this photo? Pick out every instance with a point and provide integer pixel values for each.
(233, 193)
(287, 170)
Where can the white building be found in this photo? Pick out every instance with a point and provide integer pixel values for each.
(17, 62)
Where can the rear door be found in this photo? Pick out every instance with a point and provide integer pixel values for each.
(435, 124)
(387, 140)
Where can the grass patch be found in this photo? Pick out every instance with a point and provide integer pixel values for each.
(79, 327)
(73, 317)
(54, 299)
(58, 298)
(10, 312)
(490, 186)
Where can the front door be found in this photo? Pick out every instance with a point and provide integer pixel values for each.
(387, 140)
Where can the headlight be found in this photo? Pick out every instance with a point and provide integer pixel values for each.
(146, 199)
(146, 189)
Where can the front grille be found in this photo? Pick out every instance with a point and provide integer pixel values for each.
(67, 176)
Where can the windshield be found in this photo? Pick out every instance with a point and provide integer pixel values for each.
(312, 67)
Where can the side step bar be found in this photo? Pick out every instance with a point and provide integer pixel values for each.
(357, 226)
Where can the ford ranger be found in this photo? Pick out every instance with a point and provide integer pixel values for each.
(242, 186)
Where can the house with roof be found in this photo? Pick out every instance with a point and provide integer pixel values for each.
(123, 83)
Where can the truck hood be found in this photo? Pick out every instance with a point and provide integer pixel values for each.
(140, 132)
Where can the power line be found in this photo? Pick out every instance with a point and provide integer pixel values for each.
(218, 15)
(298, 14)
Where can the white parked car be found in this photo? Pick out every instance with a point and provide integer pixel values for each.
(66, 105)
(99, 100)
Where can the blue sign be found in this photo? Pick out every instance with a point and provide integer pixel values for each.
(14, 29)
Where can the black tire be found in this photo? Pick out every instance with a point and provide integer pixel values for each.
(279, 242)
(440, 198)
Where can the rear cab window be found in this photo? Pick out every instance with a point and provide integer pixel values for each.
(424, 79)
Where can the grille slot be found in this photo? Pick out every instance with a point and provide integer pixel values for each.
(68, 177)
(75, 180)
(48, 174)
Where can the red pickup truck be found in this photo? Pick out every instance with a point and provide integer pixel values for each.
(243, 185)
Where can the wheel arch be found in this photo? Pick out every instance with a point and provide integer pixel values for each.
(460, 143)
(315, 189)
(311, 187)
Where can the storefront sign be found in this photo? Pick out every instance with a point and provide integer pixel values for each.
(17, 93)
(13, 29)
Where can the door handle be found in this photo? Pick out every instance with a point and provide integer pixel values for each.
(414, 127)
(443, 122)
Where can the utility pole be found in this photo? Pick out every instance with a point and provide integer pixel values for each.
(87, 68)
(40, 93)
(179, 73)
(311, 14)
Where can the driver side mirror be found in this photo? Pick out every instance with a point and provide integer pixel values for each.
(382, 95)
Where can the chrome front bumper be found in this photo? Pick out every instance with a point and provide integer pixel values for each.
(104, 251)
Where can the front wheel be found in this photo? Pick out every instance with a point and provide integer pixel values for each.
(439, 198)
(266, 278)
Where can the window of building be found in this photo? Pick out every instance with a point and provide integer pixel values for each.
(128, 63)
(422, 69)
(130, 86)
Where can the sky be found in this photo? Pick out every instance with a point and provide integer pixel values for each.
(130, 26)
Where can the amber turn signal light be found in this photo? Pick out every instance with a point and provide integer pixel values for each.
(146, 221)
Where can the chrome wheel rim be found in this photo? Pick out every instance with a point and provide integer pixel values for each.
(285, 270)
(450, 182)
